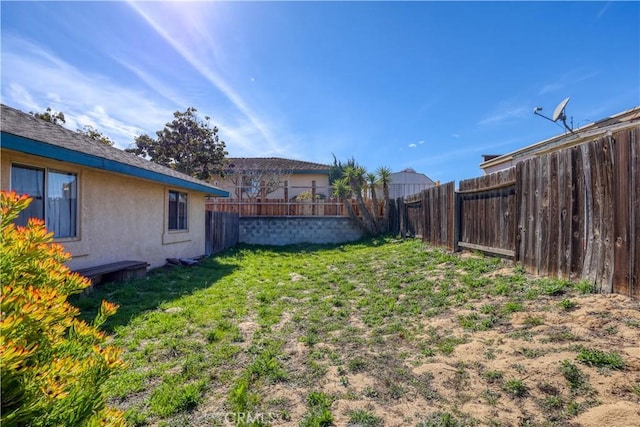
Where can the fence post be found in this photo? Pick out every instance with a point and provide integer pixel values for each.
(457, 212)
(313, 197)
(286, 197)
(240, 198)
(402, 217)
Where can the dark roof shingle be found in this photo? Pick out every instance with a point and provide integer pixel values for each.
(276, 163)
(18, 123)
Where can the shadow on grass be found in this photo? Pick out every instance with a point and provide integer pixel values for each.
(159, 286)
(301, 248)
(169, 283)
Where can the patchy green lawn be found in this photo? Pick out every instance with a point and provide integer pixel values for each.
(380, 332)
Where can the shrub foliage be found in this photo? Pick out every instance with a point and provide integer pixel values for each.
(52, 363)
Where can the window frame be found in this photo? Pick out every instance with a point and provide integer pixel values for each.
(179, 227)
(46, 170)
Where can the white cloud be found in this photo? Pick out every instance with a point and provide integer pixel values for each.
(551, 87)
(413, 145)
(20, 96)
(119, 112)
(186, 30)
(166, 90)
(568, 79)
(34, 79)
(437, 159)
(603, 10)
(505, 114)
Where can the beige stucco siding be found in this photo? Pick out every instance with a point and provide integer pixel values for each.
(121, 217)
(298, 183)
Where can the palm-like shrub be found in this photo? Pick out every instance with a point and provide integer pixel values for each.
(51, 363)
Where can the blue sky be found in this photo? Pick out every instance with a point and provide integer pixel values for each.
(426, 85)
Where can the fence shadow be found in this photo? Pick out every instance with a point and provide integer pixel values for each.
(161, 285)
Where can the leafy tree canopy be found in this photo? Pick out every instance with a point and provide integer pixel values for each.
(55, 117)
(336, 172)
(350, 180)
(186, 144)
(95, 134)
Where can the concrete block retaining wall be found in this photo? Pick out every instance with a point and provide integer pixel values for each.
(292, 230)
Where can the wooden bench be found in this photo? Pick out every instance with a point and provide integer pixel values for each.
(115, 271)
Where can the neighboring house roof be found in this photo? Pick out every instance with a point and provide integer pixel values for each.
(25, 133)
(409, 175)
(625, 119)
(276, 164)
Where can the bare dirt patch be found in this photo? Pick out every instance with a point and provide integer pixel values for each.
(478, 382)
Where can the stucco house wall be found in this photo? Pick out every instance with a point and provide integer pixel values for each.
(298, 174)
(120, 217)
(298, 183)
(122, 200)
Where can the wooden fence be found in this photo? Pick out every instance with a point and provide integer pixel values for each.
(429, 215)
(486, 213)
(276, 207)
(573, 213)
(579, 213)
(284, 207)
(222, 231)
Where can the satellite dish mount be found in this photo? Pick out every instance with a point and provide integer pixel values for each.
(558, 114)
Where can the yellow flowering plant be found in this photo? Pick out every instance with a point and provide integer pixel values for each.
(52, 364)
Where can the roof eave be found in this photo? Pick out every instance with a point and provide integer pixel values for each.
(559, 142)
(54, 152)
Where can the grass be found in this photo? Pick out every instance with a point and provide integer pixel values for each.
(319, 413)
(364, 418)
(576, 379)
(266, 330)
(601, 359)
(515, 387)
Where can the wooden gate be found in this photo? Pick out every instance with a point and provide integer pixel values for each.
(222, 231)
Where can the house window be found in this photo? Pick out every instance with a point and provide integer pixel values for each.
(177, 210)
(55, 198)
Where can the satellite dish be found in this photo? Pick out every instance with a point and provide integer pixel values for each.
(558, 113)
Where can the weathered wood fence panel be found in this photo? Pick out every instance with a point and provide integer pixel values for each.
(578, 213)
(486, 211)
(626, 217)
(439, 203)
(413, 216)
(573, 213)
(222, 231)
(283, 207)
(428, 215)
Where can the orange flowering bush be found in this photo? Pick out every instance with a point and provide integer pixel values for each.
(51, 363)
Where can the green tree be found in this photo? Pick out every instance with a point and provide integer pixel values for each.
(95, 134)
(55, 117)
(353, 182)
(186, 144)
(354, 176)
(336, 171)
(384, 179)
(342, 192)
(371, 180)
(52, 365)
